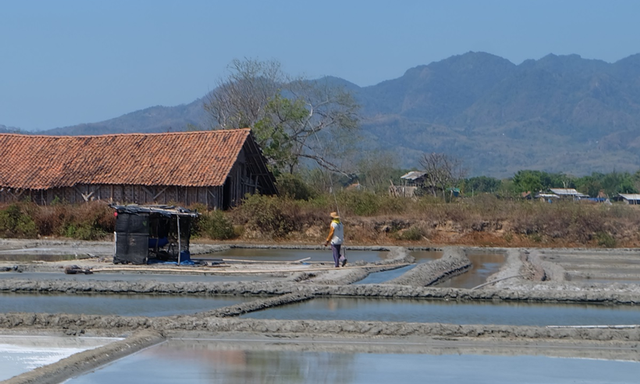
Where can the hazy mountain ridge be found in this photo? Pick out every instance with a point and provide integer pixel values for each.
(152, 119)
(558, 114)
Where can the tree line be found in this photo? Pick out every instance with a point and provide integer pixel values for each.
(607, 184)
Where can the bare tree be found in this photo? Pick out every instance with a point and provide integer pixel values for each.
(442, 171)
(320, 125)
(239, 100)
(293, 119)
(376, 169)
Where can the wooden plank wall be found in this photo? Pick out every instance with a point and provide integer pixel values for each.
(211, 197)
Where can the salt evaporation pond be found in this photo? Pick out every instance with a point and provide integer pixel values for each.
(483, 266)
(194, 364)
(285, 254)
(16, 255)
(424, 256)
(20, 354)
(116, 304)
(440, 311)
(133, 276)
(384, 276)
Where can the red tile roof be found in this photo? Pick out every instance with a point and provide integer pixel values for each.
(193, 159)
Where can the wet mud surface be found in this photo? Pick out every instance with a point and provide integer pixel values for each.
(528, 275)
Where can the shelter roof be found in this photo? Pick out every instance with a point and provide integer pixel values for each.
(567, 192)
(165, 210)
(545, 195)
(187, 159)
(413, 175)
(630, 196)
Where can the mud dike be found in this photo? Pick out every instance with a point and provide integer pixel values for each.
(528, 276)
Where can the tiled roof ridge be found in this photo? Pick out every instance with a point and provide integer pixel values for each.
(208, 131)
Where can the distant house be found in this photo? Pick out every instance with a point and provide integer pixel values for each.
(411, 182)
(414, 178)
(213, 168)
(547, 197)
(568, 193)
(630, 198)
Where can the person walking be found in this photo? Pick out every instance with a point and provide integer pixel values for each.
(336, 238)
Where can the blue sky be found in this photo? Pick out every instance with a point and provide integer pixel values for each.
(68, 62)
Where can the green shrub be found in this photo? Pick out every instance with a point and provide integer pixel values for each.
(535, 237)
(272, 216)
(359, 203)
(84, 231)
(411, 234)
(605, 240)
(15, 222)
(294, 187)
(508, 237)
(88, 221)
(214, 225)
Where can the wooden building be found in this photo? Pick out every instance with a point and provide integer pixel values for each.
(214, 168)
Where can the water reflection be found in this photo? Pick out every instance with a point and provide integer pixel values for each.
(382, 277)
(25, 258)
(312, 255)
(211, 363)
(428, 311)
(123, 305)
(483, 265)
(133, 277)
(425, 256)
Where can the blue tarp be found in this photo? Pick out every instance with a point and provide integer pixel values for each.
(183, 262)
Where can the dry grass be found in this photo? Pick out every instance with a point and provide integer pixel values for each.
(369, 219)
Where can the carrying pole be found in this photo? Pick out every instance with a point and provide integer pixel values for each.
(333, 192)
(179, 247)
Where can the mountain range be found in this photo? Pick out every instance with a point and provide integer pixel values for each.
(561, 114)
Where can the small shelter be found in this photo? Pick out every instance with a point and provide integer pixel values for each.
(414, 178)
(630, 198)
(547, 197)
(570, 193)
(152, 233)
(411, 182)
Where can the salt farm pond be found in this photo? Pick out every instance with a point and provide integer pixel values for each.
(266, 315)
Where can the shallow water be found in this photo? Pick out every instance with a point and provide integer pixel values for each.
(292, 255)
(429, 311)
(210, 363)
(122, 305)
(35, 257)
(113, 276)
(425, 256)
(483, 265)
(384, 276)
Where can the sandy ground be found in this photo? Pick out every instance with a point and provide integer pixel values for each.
(530, 275)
